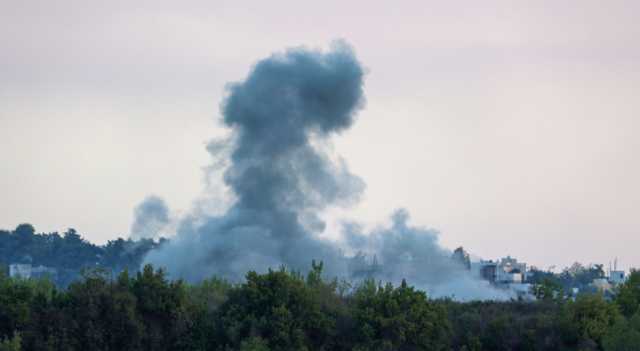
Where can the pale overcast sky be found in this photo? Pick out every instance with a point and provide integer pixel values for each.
(509, 126)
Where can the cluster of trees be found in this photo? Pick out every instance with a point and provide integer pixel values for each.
(106, 308)
(284, 310)
(69, 253)
(576, 276)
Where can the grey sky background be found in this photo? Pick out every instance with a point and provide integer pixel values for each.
(510, 126)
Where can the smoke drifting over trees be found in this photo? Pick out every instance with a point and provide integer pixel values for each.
(150, 217)
(281, 117)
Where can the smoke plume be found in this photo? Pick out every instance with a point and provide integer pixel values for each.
(150, 217)
(281, 117)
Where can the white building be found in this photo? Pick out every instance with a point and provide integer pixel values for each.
(602, 284)
(616, 277)
(506, 273)
(20, 270)
(511, 271)
(509, 277)
(26, 270)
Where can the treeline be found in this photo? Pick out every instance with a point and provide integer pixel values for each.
(69, 253)
(576, 276)
(283, 310)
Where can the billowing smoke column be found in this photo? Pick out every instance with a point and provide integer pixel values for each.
(150, 217)
(281, 117)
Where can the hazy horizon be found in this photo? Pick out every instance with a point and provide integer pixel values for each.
(509, 128)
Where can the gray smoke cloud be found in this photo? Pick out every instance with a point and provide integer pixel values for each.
(401, 252)
(281, 117)
(149, 218)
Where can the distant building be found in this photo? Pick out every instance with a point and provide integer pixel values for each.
(602, 285)
(616, 277)
(20, 270)
(511, 271)
(26, 270)
(462, 257)
(507, 273)
(509, 277)
(485, 269)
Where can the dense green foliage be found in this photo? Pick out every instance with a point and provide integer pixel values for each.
(283, 310)
(69, 253)
(94, 303)
(629, 295)
(576, 276)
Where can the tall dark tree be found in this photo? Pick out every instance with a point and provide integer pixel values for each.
(401, 318)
